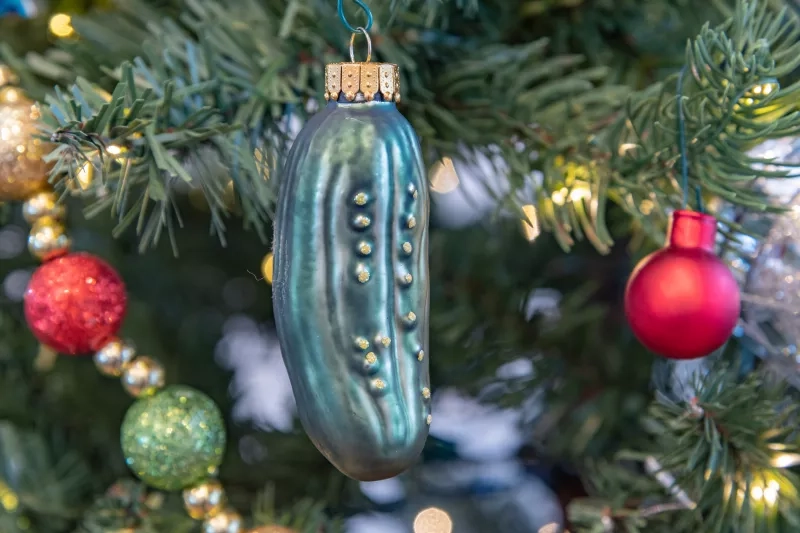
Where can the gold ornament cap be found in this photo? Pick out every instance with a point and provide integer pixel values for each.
(362, 81)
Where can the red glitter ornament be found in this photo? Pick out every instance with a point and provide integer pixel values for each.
(75, 303)
(682, 301)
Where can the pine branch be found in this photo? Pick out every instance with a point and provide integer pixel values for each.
(594, 140)
(733, 101)
(305, 516)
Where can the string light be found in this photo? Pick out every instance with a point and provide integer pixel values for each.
(580, 191)
(444, 177)
(433, 520)
(266, 267)
(61, 25)
(530, 224)
(8, 498)
(560, 197)
(786, 460)
(84, 175)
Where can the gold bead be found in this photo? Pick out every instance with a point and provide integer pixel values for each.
(426, 392)
(378, 384)
(204, 500)
(362, 343)
(143, 377)
(113, 358)
(362, 274)
(412, 222)
(267, 265)
(42, 204)
(371, 358)
(22, 171)
(227, 521)
(48, 239)
(360, 199)
(364, 248)
(361, 222)
(407, 248)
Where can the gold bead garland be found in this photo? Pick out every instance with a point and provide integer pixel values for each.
(114, 358)
(48, 239)
(141, 376)
(24, 177)
(42, 204)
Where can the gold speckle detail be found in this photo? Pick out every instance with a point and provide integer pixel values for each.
(414, 195)
(411, 317)
(360, 199)
(378, 384)
(363, 276)
(429, 419)
(412, 191)
(426, 393)
(362, 221)
(362, 343)
(407, 279)
(364, 248)
(421, 355)
(407, 248)
(371, 358)
(386, 341)
(412, 222)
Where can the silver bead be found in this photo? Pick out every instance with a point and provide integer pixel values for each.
(143, 377)
(113, 358)
(228, 521)
(204, 500)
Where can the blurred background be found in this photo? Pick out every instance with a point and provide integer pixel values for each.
(548, 414)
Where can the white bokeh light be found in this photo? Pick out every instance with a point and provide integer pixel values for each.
(260, 383)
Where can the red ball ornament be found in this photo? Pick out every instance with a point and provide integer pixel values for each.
(75, 303)
(682, 301)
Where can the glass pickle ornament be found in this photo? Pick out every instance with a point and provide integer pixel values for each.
(350, 285)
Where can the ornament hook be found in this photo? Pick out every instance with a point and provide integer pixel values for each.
(349, 26)
(353, 42)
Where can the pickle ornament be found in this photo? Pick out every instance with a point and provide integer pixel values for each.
(350, 278)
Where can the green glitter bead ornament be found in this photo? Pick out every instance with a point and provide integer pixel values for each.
(173, 439)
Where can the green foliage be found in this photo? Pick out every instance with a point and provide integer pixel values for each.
(214, 91)
(575, 100)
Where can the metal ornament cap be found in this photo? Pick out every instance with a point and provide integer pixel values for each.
(682, 301)
(362, 81)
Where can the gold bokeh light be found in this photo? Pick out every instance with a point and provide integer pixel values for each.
(433, 520)
(61, 25)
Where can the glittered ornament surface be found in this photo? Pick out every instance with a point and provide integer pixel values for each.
(775, 279)
(173, 439)
(682, 301)
(22, 171)
(75, 303)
